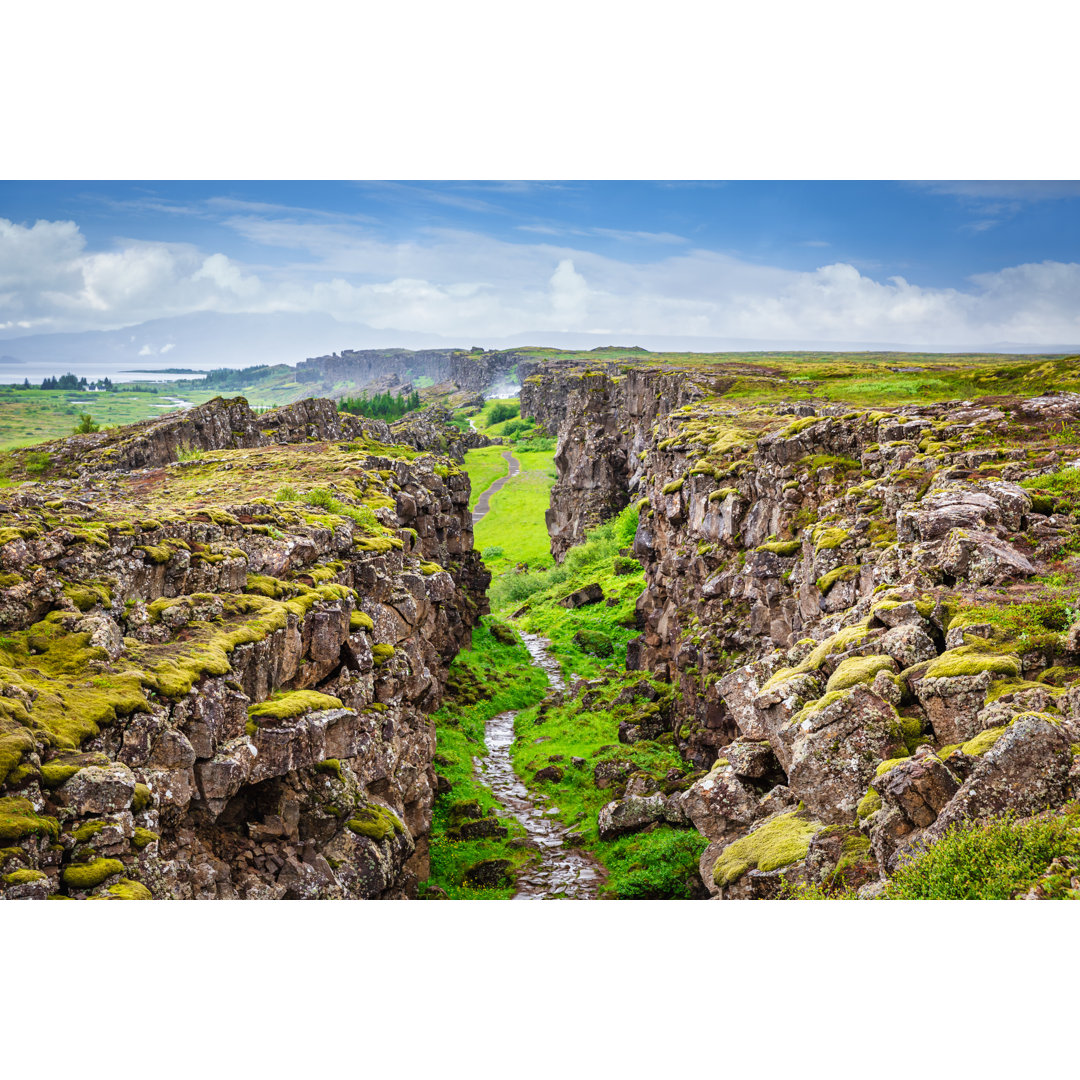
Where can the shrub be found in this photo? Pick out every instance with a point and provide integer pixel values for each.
(86, 425)
(986, 860)
(500, 412)
(287, 493)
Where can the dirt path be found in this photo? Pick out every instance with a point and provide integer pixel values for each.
(562, 872)
(483, 504)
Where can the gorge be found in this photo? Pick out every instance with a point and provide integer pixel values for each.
(785, 645)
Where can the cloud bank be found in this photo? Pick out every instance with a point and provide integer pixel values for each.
(470, 285)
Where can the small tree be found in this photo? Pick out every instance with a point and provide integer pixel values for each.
(86, 425)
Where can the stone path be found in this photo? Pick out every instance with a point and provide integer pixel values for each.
(562, 872)
(483, 504)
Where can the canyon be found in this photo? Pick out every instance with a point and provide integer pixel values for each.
(808, 639)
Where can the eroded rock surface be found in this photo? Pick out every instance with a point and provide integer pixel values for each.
(223, 637)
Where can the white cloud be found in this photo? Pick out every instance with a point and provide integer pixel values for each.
(466, 284)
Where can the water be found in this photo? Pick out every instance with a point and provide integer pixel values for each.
(561, 872)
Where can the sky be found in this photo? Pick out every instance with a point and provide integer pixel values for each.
(938, 265)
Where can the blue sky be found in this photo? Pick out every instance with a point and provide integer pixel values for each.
(938, 264)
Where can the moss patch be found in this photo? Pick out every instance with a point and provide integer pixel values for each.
(777, 843)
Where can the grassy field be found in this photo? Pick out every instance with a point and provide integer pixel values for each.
(514, 531)
(867, 378)
(484, 465)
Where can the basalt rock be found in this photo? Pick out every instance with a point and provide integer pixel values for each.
(218, 671)
(816, 575)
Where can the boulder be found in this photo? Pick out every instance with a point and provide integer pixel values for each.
(630, 815)
(589, 594)
(836, 747)
(489, 874)
(720, 802)
(983, 559)
(98, 790)
(908, 644)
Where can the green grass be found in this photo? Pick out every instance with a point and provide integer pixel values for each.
(490, 678)
(988, 860)
(484, 466)
(515, 521)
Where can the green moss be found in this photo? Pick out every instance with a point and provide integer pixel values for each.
(971, 660)
(782, 547)
(143, 837)
(382, 653)
(130, 890)
(142, 798)
(429, 568)
(359, 621)
(90, 875)
(377, 823)
(842, 640)
(88, 830)
(674, 487)
(777, 843)
(52, 775)
(23, 877)
(841, 573)
(798, 425)
(983, 741)
(331, 766)
(720, 494)
(869, 804)
(18, 819)
(856, 670)
(889, 765)
(814, 707)
(825, 538)
(293, 703)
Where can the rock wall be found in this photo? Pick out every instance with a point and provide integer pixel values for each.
(216, 674)
(474, 371)
(603, 418)
(839, 597)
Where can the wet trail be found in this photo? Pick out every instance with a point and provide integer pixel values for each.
(562, 872)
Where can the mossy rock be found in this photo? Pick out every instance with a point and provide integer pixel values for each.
(858, 670)
(375, 822)
(777, 843)
(382, 653)
(292, 704)
(125, 889)
(594, 643)
(144, 837)
(90, 875)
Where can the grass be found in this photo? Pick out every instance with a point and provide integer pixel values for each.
(484, 466)
(515, 520)
(987, 860)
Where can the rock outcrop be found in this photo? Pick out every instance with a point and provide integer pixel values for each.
(223, 636)
(867, 597)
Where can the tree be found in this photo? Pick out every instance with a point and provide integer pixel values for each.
(86, 425)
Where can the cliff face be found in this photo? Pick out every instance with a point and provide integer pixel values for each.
(603, 420)
(474, 371)
(862, 610)
(218, 671)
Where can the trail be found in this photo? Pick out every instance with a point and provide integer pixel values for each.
(562, 873)
(483, 504)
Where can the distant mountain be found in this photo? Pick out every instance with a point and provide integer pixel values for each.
(203, 340)
(208, 340)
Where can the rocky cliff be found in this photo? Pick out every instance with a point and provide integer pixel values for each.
(222, 637)
(468, 370)
(869, 615)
